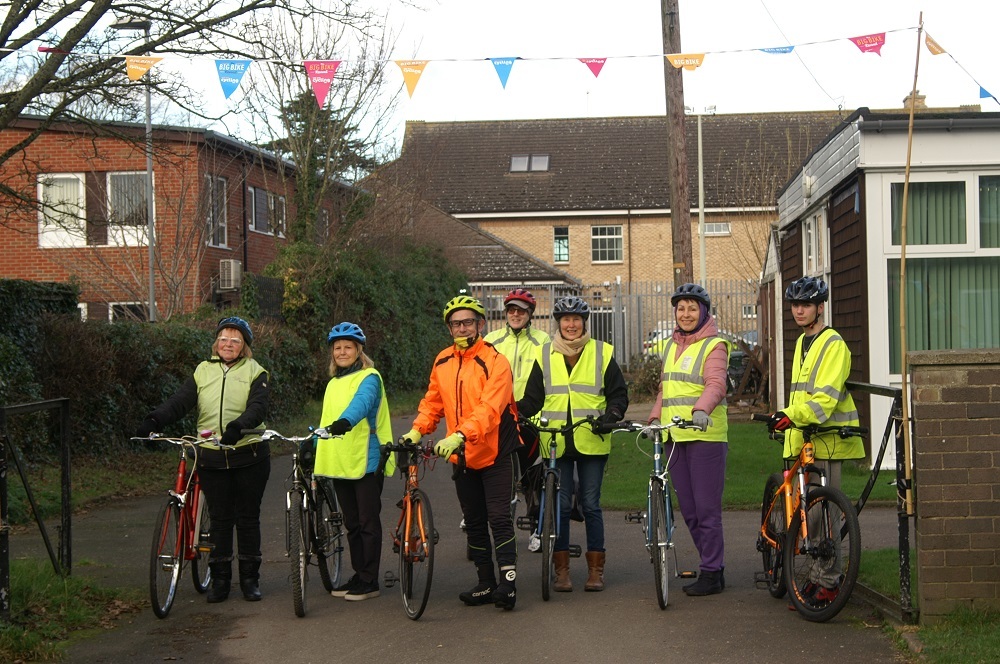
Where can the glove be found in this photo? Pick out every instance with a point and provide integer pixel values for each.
(779, 422)
(610, 417)
(411, 437)
(232, 434)
(701, 420)
(447, 446)
(148, 426)
(339, 428)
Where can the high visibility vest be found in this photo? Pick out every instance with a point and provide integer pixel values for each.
(579, 392)
(683, 382)
(348, 457)
(223, 394)
(520, 349)
(818, 396)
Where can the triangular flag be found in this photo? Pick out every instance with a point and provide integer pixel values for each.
(412, 71)
(231, 73)
(933, 46)
(689, 61)
(503, 67)
(137, 66)
(983, 94)
(320, 74)
(870, 43)
(594, 64)
(778, 50)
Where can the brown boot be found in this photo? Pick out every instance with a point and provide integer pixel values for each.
(595, 569)
(562, 584)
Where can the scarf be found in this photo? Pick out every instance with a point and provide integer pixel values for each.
(570, 348)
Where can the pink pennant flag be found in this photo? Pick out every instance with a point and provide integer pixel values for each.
(870, 43)
(594, 64)
(321, 73)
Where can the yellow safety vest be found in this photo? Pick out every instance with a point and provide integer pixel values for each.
(818, 396)
(520, 350)
(683, 382)
(223, 394)
(347, 457)
(579, 393)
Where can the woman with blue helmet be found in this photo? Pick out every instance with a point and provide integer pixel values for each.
(231, 393)
(356, 411)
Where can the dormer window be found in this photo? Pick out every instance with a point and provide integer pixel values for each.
(523, 163)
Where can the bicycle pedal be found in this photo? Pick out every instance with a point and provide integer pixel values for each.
(760, 580)
(205, 548)
(525, 523)
(687, 575)
(575, 551)
(389, 579)
(634, 517)
(437, 536)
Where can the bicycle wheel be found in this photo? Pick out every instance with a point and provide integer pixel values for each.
(822, 567)
(298, 552)
(201, 574)
(772, 509)
(328, 541)
(658, 539)
(166, 558)
(416, 561)
(550, 497)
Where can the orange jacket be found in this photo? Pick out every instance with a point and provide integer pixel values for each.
(473, 391)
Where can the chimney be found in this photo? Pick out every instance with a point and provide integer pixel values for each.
(920, 101)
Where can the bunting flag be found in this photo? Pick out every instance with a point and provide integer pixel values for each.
(595, 65)
(230, 74)
(932, 45)
(870, 43)
(778, 50)
(984, 94)
(689, 61)
(320, 74)
(137, 66)
(503, 67)
(412, 71)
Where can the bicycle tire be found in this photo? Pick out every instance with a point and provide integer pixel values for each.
(658, 542)
(834, 539)
(772, 509)
(298, 552)
(166, 557)
(201, 573)
(416, 566)
(550, 497)
(328, 542)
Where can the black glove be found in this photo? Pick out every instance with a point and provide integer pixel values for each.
(232, 434)
(148, 426)
(779, 422)
(610, 416)
(339, 428)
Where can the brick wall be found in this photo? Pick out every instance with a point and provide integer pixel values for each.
(956, 472)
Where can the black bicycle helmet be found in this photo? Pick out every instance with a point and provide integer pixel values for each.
(691, 292)
(346, 330)
(571, 304)
(236, 323)
(807, 289)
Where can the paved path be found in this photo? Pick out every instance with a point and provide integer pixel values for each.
(623, 623)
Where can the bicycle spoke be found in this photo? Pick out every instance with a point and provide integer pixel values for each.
(658, 541)
(550, 500)
(166, 558)
(773, 512)
(201, 573)
(298, 552)
(416, 556)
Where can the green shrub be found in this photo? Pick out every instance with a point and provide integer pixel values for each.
(644, 378)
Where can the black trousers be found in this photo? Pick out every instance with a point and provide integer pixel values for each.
(485, 496)
(234, 496)
(361, 506)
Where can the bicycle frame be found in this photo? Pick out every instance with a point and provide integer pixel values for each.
(412, 550)
(795, 494)
(187, 490)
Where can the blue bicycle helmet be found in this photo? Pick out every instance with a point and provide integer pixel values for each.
(571, 304)
(807, 289)
(691, 292)
(346, 330)
(236, 323)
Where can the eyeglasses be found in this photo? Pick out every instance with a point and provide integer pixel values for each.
(229, 340)
(514, 309)
(459, 324)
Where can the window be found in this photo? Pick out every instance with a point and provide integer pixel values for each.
(749, 310)
(560, 244)
(814, 247)
(257, 212)
(522, 163)
(216, 199)
(989, 212)
(539, 162)
(276, 213)
(323, 224)
(606, 244)
(936, 213)
(519, 163)
(127, 205)
(717, 228)
(62, 213)
(126, 311)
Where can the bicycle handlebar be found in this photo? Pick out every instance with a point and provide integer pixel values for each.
(813, 429)
(268, 435)
(203, 438)
(542, 425)
(645, 429)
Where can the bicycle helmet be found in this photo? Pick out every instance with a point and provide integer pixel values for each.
(236, 323)
(463, 302)
(807, 289)
(522, 298)
(346, 330)
(571, 304)
(691, 292)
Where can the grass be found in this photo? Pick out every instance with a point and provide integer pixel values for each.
(964, 637)
(752, 457)
(879, 571)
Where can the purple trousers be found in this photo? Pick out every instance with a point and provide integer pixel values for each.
(698, 473)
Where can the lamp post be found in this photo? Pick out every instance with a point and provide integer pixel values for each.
(701, 193)
(145, 25)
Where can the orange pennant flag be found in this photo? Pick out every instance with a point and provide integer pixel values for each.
(933, 46)
(412, 71)
(689, 61)
(137, 66)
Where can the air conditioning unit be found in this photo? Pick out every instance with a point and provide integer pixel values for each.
(230, 274)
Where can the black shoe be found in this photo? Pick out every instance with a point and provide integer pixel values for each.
(504, 596)
(708, 583)
(362, 591)
(251, 589)
(218, 591)
(344, 588)
(481, 594)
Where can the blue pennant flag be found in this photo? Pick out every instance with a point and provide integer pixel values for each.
(779, 50)
(984, 94)
(231, 73)
(503, 67)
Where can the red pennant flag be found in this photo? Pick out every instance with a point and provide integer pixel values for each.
(594, 64)
(320, 73)
(870, 43)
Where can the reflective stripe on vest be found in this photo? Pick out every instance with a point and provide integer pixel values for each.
(520, 350)
(347, 457)
(223, 394)
(683, 382)
(579, 392)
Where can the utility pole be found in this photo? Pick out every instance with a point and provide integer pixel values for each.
(677, 168)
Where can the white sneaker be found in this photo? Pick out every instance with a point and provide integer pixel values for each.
(462, 525)
(534, 542)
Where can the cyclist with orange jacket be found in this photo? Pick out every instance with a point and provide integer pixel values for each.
(472, 389)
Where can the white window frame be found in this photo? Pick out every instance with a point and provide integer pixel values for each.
(67, 232)
(277, 214)
(212, 225)
(126, 235)
(556, 259)
(971, 244)
(618, 236)
(749, 311)
(519, 163)
(539, 163)
(718, 228)
(126, 305)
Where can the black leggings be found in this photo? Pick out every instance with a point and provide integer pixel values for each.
(485, 496)
(234, 496)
